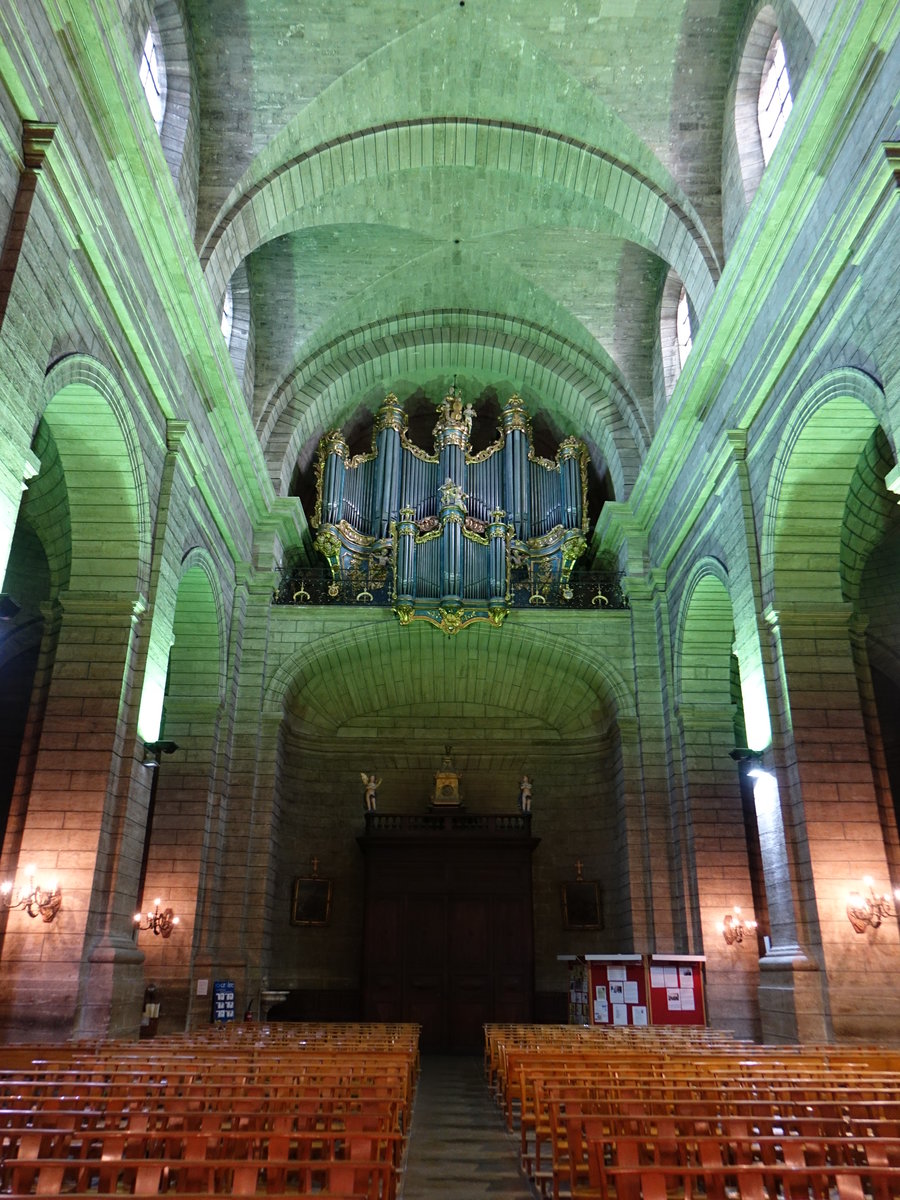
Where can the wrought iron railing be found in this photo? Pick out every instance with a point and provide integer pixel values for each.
(399, 824)
(373, 585)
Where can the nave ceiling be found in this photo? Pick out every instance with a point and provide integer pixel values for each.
(478, 242)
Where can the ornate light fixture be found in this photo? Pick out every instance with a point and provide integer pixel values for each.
(869, 910)
(35, 899)
(733, 925)
(162, 923)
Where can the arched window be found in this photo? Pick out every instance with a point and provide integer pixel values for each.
(683, 335)
(153, 75)
(762, 101)
(675, 339)
(226, 321)
(775, 102)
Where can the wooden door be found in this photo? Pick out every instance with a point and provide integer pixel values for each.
(448, 936)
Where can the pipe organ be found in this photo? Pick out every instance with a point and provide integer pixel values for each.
(453, 527)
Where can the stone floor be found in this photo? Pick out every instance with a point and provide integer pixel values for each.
(458, 1147)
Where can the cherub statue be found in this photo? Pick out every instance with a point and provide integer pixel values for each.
(452, 493)
(525, 794)
(371, 785)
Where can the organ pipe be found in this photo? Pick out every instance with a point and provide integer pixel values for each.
(449, 520)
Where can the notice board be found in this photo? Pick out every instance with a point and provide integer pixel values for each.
(618, 989)
(677, 993)
(223, 1000)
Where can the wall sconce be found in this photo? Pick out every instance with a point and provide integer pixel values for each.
(36, 900)
(732, 927)
(162, 923)
(869, 910)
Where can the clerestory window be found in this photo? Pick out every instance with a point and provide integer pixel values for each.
(775, 101)
(152, 75)
(226, 322)
(683, 334)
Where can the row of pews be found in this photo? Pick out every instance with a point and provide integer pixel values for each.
(244, 1110)
(619, 1113)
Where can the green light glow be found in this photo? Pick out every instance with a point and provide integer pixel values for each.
(756, 712)
(155, 675)
(150, 717)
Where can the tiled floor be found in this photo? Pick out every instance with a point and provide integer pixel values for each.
(458, 1147)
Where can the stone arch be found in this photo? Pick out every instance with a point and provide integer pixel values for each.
(342, 659)
(705, 638)
(283, 200)
(107, 490)
(720, 842)
(197, 656)
(585, 396)
(872, 513)
(809, 485)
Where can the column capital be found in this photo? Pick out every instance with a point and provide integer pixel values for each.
(737, 441)
(176, 431)
(102, 605)
(824, 618)
(37, 137)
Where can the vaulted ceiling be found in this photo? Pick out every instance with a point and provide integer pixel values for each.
(434, 188)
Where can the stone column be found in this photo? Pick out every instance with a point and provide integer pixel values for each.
(186, 802)
(792, 1001)
(84, 826)
(833, 820)
(632, 910)
(717, 844)
(29, 300)
(238, 900)
(665, 916)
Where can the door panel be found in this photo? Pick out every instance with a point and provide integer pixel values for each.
(448, 937)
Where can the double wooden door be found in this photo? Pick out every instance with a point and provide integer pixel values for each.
(448, 938)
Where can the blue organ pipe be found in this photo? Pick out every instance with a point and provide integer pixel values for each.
(389, 424)
(406, 556)
(334, 478)
(451, 551)
(497, 556)
(516, 482)
(569, 458)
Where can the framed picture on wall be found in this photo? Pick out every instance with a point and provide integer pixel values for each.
(581, 905)
(311, 901)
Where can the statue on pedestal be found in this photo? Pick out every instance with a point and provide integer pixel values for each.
(371, 785)
(525, 794)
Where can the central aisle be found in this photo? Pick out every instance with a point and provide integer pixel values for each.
(458, 1147)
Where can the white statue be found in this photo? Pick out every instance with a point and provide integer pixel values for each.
(371, 785)
(525, 794)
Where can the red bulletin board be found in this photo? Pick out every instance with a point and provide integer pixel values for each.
(677, 994)
(618, 991)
